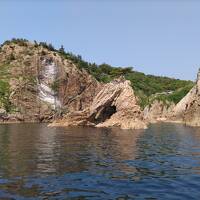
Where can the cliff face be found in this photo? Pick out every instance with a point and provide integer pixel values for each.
(158, 111)
(40, 85)
(37, 84)
(114, 106)
(188, 109)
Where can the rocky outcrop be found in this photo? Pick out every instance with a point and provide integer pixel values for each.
(158, 111)
(114, 106)
(188, 109)
(41, 84)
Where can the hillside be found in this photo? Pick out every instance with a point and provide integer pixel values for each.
(19, 59)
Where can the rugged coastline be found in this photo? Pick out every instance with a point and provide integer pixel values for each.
(40, 84)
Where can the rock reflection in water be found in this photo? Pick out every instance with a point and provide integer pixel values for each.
(37, 162)
(32, 149)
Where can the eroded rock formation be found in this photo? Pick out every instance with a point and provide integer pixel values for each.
(188, 109)
(114, 106)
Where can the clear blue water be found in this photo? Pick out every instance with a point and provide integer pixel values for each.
(37, 162)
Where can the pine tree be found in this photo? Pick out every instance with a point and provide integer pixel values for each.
(62, 49)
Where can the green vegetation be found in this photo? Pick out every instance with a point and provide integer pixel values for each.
(62, 49)
(180, 93)
(4, 72)
(50, 47)
(4, 95)
(175, 96)
(4, 87)
(148, 87)
(19, 41)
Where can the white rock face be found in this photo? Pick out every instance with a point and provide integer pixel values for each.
(46, 79)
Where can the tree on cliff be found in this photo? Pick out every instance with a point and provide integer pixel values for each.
(62, 49)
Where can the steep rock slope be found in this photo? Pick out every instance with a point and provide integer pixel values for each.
(37, 84)
(114, 106)
(188, 109)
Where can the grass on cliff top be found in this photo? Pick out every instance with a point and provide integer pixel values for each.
(145, 86)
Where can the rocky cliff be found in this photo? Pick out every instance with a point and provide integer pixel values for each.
(188, 109)
(41, 84)
(37, 84)
(114, 106)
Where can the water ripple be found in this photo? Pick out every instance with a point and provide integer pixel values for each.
(37, 162)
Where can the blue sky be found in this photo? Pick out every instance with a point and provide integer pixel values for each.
(154, 36)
